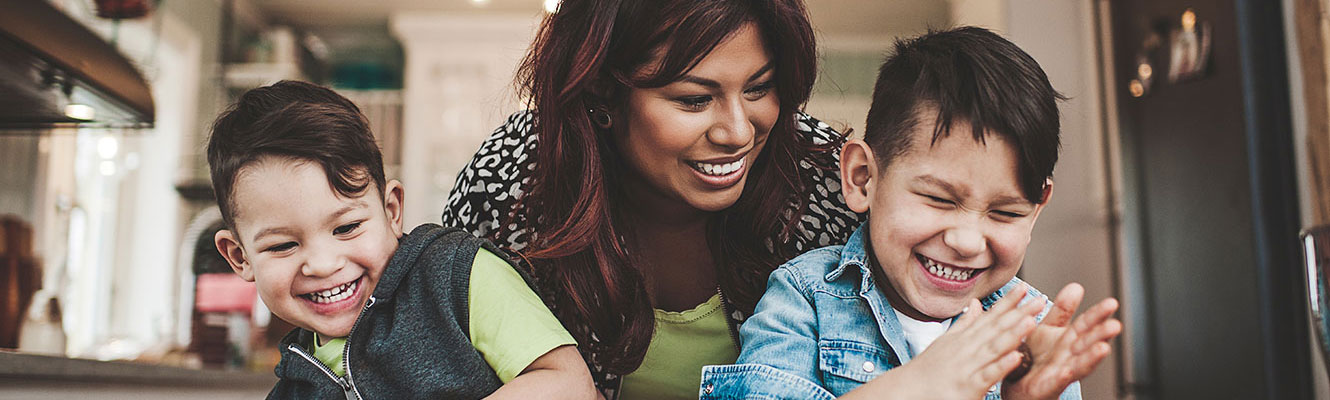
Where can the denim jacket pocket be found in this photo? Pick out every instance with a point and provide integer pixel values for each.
(847, 364)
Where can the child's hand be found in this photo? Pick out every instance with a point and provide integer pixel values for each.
(977, 351)
(1065, 353)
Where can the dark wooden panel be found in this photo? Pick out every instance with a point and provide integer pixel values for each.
(1207, 177)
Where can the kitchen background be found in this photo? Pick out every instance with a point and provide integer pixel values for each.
(1186, 172)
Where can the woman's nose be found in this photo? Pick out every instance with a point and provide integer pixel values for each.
(733, 128)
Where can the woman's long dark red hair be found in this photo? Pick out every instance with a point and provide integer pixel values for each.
(588, 54)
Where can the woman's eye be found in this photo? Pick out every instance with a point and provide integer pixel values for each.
(760, 90)
(694, 102)
(281, 247)
(345, 229)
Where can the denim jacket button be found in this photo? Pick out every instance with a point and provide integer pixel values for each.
(869, 367)
(708, 389)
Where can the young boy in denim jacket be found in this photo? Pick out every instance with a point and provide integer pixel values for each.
(311, 220)
(954, 168)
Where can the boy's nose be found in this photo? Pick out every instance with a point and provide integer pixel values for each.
(320, 265)
(966, 242)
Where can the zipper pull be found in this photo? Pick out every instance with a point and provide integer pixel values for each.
(370, 303)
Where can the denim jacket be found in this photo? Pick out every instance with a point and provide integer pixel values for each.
(822, 329)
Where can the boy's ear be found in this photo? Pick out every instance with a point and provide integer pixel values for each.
(858, 170)
(229, 245)
(392, 205)
(1044, 198)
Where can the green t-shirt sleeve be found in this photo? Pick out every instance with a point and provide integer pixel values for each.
(510, 326)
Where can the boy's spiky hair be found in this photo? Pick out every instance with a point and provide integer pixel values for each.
(972, 75)
(297, 120)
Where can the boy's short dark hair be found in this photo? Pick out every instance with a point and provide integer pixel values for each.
(972, 75)
(298, 120)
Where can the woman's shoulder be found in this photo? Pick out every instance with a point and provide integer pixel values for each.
(491, 183)
(814, 130)
(825, 220)
(513, 135)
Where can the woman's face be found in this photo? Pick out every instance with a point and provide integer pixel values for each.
(692, 142)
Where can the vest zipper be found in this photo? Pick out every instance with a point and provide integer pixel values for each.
(351, 392)
(341, 382)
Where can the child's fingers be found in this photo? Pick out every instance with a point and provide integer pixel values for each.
(1007, 322)
(1008, 333)
(993, 372)
(971, 312)
(1032, 307)
(1102, 333)
(1085, 363)
(1011, 299)
(1065, 305)
(1095, 315)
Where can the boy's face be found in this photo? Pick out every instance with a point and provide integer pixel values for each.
(947, 222)
(316, 256)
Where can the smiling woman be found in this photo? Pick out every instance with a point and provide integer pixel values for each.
(664, 172)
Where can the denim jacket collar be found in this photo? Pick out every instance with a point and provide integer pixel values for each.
(855, 254)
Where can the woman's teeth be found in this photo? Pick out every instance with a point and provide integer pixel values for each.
(718, 169)
(335, 294)
(945, 272)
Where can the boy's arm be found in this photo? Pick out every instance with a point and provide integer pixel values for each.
(1064, 353)
(559, 374)
(520, 338)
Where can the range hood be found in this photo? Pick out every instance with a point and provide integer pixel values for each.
(54, 72)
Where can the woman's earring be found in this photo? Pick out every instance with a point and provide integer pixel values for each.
(601, 117)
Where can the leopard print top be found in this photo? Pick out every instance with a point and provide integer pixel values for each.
(489, 186)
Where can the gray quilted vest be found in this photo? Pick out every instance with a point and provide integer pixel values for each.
(410, 341)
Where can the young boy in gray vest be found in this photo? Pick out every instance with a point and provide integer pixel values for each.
(310, 219)
(955, 165)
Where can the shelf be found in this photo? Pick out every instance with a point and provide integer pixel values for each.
(31, 367)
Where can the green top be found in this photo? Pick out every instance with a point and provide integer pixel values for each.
(331, 353)
(509, 325)
(683, 343)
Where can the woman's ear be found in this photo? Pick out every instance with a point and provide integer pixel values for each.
(858, 173)
(392, 205)
(229, 245)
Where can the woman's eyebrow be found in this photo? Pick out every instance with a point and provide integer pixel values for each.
(711, 83)
(770, 65)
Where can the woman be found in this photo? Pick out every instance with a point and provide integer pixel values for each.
(664, 172)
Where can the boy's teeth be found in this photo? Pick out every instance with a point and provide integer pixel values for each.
(945, 272)
(719, 169)
(335, 294)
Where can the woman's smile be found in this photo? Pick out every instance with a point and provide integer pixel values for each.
(720, 173)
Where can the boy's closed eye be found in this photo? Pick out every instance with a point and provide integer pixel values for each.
(1002, 215)
(278, 248)
(346, 229)
(940, 201)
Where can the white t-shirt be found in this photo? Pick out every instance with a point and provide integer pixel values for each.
(921, 334)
